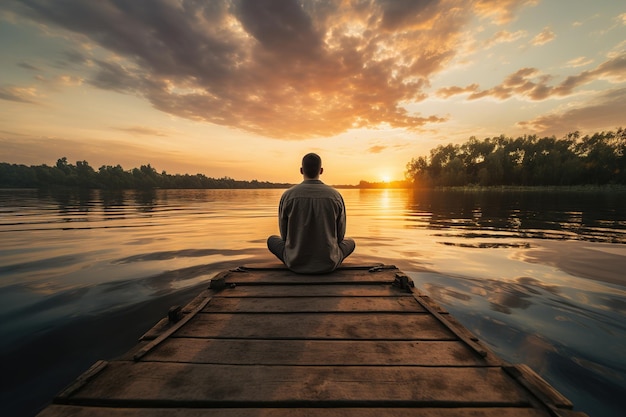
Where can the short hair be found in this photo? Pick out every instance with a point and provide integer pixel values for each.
(311, 165)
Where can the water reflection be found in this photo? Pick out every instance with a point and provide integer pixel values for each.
(536, 275)
(571, 335)
(590, 216)
(145, 200)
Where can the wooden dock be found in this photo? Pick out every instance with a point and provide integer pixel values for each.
(361, 341)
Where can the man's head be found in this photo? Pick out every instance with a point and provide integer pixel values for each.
(311, 166)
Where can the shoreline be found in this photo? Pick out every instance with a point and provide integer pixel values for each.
(530, 188)
(620, 188)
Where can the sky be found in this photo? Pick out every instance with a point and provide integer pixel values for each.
(245, 88)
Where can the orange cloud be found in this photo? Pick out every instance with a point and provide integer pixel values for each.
(501, 11)
(376, 149)
(447, 92)
(530, 83)
(286, 70)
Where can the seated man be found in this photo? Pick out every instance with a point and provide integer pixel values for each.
(312, 223)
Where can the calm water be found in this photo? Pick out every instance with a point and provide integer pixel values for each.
(538, 276)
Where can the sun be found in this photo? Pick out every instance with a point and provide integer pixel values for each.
(385, 178)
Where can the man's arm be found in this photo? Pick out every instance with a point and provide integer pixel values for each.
(341, 221)
(283, 219)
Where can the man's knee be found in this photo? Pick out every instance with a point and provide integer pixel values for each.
(277, 246)
(347, 246)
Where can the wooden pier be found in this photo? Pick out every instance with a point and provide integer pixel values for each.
(361, 341)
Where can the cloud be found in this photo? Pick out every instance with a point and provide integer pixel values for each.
(117, 77)
(141, 130)
(73, 57)
(27, 66)
(501, 11)
(376, 149)
(398, 15)
(285, 69)
(504, 36)
(530, 83)
(447, 92)
(18, 94)
(605, 110)
(581, 61)
(544, 37)
(69, 80)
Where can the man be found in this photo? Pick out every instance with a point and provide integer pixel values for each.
(312, 223)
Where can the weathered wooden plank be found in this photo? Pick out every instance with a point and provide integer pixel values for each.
(460, 332)
(311, 290)
(280, 341)
(158, 329)
(345, 266)
(313, 304)
(200, 385)
(539, 386)
(181, 323)
(314, 352)
(288, 277)
(77, 411)
(83, 379)
(389, 326)
(165, 324)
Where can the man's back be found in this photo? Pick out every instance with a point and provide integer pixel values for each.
(312, 222)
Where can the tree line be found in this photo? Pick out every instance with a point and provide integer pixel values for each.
(112, 177)
(598, 159)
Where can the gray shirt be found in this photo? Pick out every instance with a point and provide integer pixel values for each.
(312, 222)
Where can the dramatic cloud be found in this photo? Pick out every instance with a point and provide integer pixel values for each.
(285, 69)
(598, 114)
(530, 83)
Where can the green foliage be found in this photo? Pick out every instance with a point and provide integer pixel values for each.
(82, 175)
(526, 161)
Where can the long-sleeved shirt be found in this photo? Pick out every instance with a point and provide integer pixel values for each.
(312, 222)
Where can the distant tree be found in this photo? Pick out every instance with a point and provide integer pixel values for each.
(63, 165)
(85, 175)
(82, 175)
(418, 172)
(527, 160)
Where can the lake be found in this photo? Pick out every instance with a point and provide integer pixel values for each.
(538, 276)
